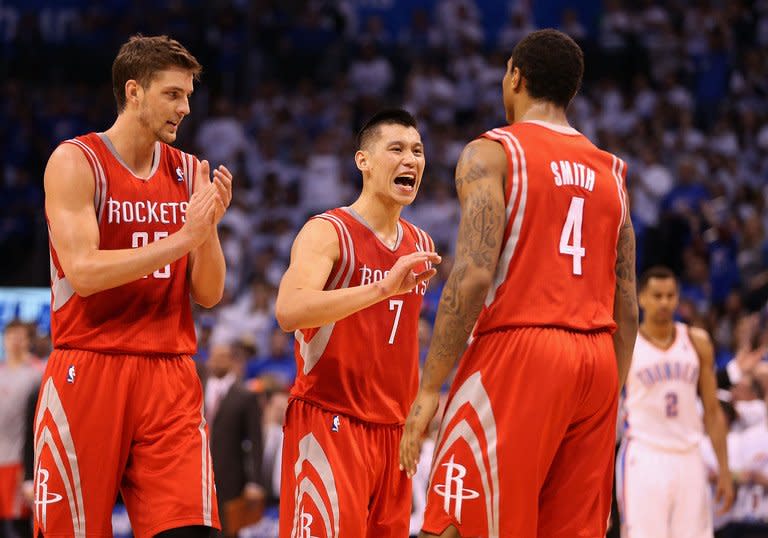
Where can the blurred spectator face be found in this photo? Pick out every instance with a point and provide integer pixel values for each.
(164, 102)
(221, 360)
(393, 163)
(659, 300)
(16, 341)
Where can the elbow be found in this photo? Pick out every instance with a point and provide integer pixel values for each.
(285, 318)
(209, 300)
(83, 282)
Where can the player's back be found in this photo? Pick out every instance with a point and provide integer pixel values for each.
(364, 365)
(661, 394)
(151, 315)
(565, 204)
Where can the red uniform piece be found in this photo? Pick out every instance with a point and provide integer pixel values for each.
(356, 379)
(526, 443)
(120, 405)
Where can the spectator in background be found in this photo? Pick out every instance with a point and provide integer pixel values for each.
(234, 414)
(19, 377)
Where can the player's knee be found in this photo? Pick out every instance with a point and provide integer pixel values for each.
(197, 531)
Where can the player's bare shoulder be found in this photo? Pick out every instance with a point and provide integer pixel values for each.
(702, 343)
(68, 164)
(481, 158)
(319, 236)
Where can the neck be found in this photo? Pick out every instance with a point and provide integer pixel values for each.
(542, 111)
(16, 359)
(133, 142)
(381, 217)
(660, 332)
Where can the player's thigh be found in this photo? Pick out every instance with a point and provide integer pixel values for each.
(583, 465)
(325, 484)
(692, 514)
(82, 440)
(389, 513)
(645, 492)
(169, 479)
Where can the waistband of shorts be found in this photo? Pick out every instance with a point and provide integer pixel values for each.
(330, 410)
(570, 330)
(120, 354)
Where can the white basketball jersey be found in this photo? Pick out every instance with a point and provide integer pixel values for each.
(661, 394)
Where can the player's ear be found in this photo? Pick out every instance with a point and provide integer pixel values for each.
(362, 160)
(517, 79)
(132, 91)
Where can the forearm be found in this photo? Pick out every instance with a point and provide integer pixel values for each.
(460, 305)
(208, 272)
(624, 338)
(717, 430)
(101, 270)
(308, 308)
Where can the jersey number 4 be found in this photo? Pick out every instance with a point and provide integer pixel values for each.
(140, 239)
(570, 237)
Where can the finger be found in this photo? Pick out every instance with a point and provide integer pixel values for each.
(203, 176)
(224, 171)
(425, 275)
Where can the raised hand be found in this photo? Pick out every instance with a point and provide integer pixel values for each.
(403, 277)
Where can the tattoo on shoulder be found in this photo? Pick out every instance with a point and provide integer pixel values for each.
(469, 167)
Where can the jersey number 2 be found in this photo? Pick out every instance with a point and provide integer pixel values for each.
(572, 230)
(140, 239)
(395, 304)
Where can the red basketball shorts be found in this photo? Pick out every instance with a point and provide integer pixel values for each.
(340, 477)
(526, 443)
(121, 422)
(12, 505)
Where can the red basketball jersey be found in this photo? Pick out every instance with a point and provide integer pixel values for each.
(151, 315)
(365, 365)
(565, 204)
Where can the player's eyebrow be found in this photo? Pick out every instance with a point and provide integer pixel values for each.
(178, 89)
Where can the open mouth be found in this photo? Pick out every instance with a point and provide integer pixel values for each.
(405, 181)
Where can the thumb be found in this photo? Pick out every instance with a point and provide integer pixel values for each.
(203, 176)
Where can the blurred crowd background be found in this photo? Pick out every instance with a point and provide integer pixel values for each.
(678, 89)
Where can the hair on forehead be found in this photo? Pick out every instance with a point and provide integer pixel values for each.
(390, 116)
(657, 271)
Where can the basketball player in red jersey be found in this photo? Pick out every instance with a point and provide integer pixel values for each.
(543, 277)
(352, 294)
(132, 225)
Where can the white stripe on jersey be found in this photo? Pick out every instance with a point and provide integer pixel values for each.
(519, 181)
(617, 168)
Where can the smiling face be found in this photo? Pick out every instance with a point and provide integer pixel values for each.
(164, 102)
(392, 163)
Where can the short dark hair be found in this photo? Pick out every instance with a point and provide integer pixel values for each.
(390, 116)
(657, 271)
(552, 65)
(141, 57)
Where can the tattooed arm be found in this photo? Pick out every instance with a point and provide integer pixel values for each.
(625, 301)
(480, 175)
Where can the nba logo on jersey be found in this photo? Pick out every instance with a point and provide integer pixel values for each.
(179, 174)
(71, 374)
(336, 422)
